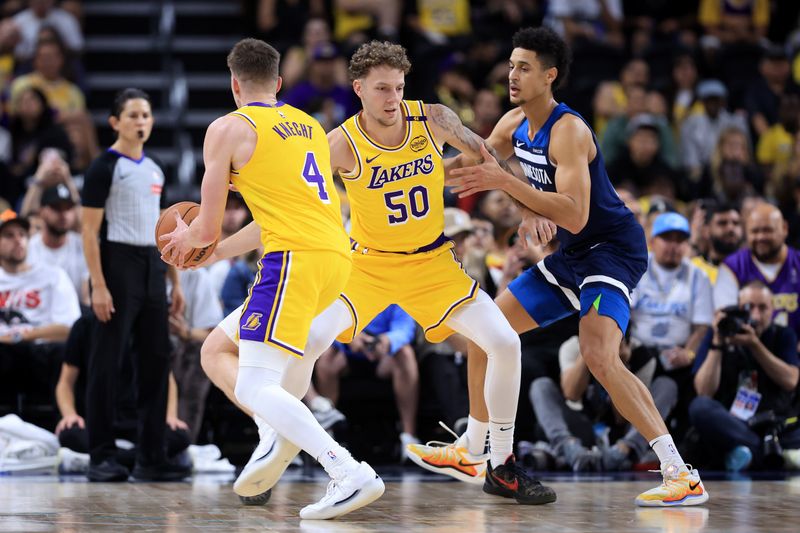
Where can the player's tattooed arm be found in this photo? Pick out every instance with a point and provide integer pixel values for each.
(448, 128)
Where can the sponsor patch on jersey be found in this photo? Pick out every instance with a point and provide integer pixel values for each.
(419, 143)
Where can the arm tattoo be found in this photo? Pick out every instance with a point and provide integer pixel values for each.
(446, 119)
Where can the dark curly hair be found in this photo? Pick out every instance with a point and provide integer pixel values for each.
(550, 48)
(376, 54)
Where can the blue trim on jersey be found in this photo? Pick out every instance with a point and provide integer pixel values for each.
(129, 158)
(612, 303)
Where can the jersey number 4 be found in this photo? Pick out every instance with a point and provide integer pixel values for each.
(400, 205)
(315, 178)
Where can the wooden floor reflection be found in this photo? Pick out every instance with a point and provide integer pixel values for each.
(46, 504)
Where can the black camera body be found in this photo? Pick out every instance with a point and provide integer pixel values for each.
(734, 320)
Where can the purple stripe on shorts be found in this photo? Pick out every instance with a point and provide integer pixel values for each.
(256, 314)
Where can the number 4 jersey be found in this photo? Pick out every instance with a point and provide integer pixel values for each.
(287, 182)
(396, 192)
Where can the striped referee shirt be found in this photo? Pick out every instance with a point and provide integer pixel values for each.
(130, 191)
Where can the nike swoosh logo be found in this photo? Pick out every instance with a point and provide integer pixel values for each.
(506, 429)
(510, 486)
(268, 452)
(370, 160)
(519, 144)
(340, 502)
(592, 247)
(462, 463)
(692, 487)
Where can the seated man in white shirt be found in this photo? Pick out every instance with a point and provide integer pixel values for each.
(57, 244)
(672, 306)
(38, 305)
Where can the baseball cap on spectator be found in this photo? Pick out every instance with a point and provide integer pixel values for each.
(456, 221)
(666, 222)
(324, 51)
(641, 121)
(57, 195)
(9, 217)
(711, 89)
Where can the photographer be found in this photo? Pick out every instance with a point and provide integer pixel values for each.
(747, 366)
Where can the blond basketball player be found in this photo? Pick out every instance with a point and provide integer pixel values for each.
(390, 158)
(278, 158)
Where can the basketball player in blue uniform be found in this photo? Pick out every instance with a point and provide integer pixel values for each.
(603, 252)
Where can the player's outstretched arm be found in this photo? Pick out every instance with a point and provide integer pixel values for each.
(246, 239)
(571, 148)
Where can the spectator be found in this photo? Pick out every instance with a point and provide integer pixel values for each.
(385, 344)
(671, 307)
(128, 292)
(611, 97)
(322, 94)
(731, 21)
(700, 133)
(587, 22)
(64, 97)
(683, 95)
(567, 412)
(354, 18)
(189, 329)
(776, 147)
(297, 63)
(33, 129)
(48, 76)
(641, 167)
(58, 243)
(616, 135)
(746, 367)
(731, 175)
(71, 400)
(9, 38)
(722, 229)
(487, 110)
(762, 100)
(768, 259)
(44, 13)
(52, 171)
(38, 305)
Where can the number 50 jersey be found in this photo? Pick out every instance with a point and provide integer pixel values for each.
(287, 182)
(396, 192)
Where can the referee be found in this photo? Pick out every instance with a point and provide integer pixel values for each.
(122, 197)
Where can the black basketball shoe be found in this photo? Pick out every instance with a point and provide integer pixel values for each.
(511, 481)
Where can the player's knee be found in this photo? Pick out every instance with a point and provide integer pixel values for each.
(505, 345)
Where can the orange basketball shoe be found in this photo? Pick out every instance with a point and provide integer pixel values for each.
(452, 459)
(681, 486)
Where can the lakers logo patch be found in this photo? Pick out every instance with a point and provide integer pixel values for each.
(418, 143)
(253, 322)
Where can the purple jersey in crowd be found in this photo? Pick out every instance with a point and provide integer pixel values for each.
(785, 287)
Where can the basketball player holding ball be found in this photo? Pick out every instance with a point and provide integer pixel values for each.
(122, 199)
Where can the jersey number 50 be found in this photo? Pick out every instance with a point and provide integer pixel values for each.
(399, 204)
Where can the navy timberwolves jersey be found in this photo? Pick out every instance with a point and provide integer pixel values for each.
(608, 216)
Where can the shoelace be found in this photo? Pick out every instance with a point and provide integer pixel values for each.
(672, 474)
(442, 443)
(521, 474)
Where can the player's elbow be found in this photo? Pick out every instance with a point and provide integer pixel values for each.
(576, 223)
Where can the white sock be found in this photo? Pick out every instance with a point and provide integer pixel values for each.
(667, 452)
(337, 461)
(501, 442)
(477, 432)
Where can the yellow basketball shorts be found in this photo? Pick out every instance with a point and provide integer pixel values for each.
(429, 286)
(290, 289)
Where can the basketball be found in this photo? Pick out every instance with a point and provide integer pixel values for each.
(166, 224)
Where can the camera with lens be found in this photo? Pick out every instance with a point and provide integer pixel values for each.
(734, 320)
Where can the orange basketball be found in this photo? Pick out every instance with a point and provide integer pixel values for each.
(166, 224)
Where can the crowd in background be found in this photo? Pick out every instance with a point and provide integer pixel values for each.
(696, 109)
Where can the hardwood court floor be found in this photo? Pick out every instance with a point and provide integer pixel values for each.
(597, 505)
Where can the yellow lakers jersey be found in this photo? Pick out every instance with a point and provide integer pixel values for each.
(287, 183)
(396, 193)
